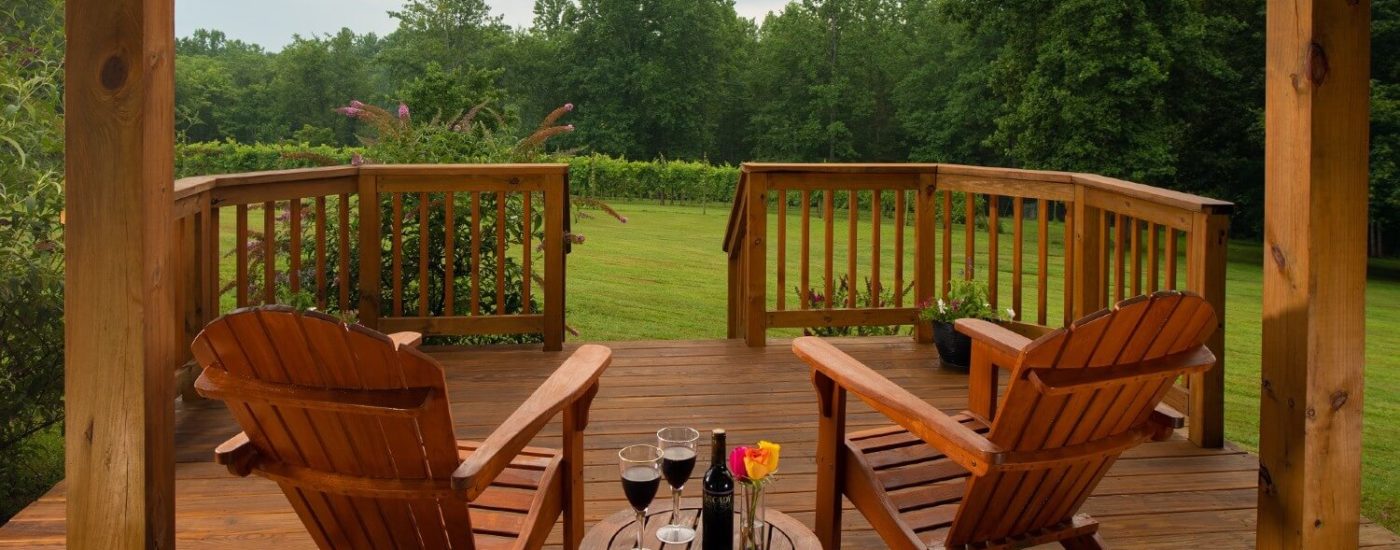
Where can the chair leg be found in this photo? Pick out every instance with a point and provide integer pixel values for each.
(1085, 542)
(831, 432)
(573, 478)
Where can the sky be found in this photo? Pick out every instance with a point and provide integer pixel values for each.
(271, 23)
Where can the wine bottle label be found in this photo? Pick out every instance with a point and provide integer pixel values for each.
(719, 502)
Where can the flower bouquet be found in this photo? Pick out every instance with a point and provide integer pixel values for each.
(753, 468)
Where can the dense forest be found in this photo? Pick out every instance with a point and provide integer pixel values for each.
(1166, 92)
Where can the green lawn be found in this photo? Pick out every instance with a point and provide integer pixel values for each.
(663, 276)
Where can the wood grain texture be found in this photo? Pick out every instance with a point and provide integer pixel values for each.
(121, 335)
(1316, 151)
(1159, 495)
(1078, 398)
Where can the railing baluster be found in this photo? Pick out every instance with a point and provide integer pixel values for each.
(781, 196)
(1120, 234)
(240, 270)
(476, 253)
(269, 244)
(1152, 251)
(899, 207)
(1104, 258)
(449, 253)
(828, 215)
(212, 241)
(876, 216)
(806, 261)
(396, 252)
(993, 252)
(1135, 226)
(1069, 264)
(1017, 234)
(501, 199)
(343, 267)
(1171, 258)
(1042, 286)
(321, 300)
(969, 236)
(526, 233)
(423, 240)
(947, 242)
(294, 237)
(853, 219)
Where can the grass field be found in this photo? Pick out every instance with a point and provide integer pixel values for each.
(663, 275)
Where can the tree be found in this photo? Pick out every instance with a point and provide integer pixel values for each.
(823, 81)
(650, 76)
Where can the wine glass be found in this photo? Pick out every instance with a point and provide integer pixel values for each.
(640, 467)
(677, 462)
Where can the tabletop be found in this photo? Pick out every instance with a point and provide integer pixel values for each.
(619, 531)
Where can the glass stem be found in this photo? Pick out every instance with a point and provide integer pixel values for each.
(641, 526)
(675, 505)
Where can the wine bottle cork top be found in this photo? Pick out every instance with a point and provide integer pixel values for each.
(718, 431)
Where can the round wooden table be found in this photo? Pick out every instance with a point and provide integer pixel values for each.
(619, 531)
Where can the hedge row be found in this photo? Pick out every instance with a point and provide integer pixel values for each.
(593, 175)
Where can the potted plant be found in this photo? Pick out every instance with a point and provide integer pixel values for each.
(965, 299)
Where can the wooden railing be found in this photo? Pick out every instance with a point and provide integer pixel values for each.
(440, 249)
(1093, 240)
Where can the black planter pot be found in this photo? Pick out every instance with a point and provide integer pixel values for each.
(954, 348)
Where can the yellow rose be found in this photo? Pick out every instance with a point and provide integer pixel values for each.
(761, 461)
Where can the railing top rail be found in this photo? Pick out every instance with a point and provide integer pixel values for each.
(1178, 199)
(185, 187)
(465, 169)
(833, 168)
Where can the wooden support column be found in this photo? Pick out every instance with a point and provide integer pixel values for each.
(1088, 293)
(756, 247)
(1209, 244)
(556, 209)
(1317, 88)
(121, 327)
(925, 255)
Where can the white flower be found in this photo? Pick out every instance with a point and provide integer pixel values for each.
(942, 307)
(1010, 313)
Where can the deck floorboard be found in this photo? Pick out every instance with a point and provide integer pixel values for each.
(1159, 495)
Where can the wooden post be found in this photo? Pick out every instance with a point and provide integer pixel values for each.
(925, 255)
(555, 209)
(1209, 242)
(756, 247)
(735, 279)
(121, 330)
(1087, 286)
(1313, 358)
(370, 250)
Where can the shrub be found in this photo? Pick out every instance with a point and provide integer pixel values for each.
(31, 241)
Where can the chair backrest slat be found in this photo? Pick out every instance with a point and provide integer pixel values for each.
(324, 401)
(1132, 348)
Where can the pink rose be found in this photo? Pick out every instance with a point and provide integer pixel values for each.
(736, 462)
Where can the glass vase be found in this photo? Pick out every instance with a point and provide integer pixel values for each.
(753, 530)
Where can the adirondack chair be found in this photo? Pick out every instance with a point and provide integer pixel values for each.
(1078, 398)
(355, 427)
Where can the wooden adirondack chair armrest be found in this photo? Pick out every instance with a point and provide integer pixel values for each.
(1165, 420)
(238, 454)
(407, 339)
(960, 443)
(1005, 342)
(573, 381)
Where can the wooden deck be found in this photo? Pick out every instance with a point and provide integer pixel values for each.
(1160, 495)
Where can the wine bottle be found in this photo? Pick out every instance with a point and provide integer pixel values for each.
(717, 512)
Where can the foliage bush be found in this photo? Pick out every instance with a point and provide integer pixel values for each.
(31, 243)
